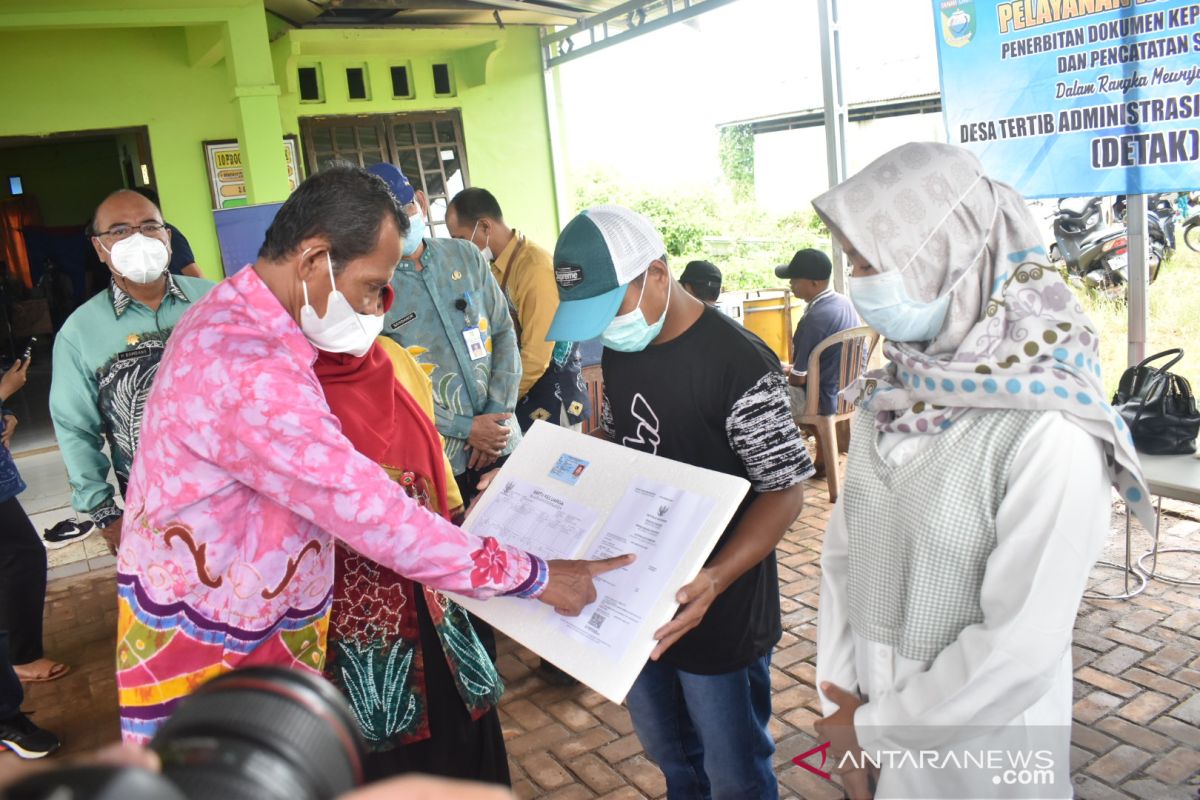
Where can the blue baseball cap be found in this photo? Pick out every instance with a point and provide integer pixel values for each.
(395, 180)
(596, 257)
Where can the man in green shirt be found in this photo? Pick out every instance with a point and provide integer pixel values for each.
(452, 316)
(108, 351)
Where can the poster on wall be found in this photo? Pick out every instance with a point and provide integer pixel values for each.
(240, 233)
(226, 179)
(1074, 97)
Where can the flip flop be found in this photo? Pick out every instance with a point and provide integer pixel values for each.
(57, 671)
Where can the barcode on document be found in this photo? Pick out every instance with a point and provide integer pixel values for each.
(596, 621)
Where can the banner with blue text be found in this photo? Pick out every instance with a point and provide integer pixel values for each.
(1074, 97)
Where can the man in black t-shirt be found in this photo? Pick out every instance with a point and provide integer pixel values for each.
(685, 382)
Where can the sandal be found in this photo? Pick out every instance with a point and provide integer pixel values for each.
(57, 671)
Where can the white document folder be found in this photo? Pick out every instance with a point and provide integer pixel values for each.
(563, 494)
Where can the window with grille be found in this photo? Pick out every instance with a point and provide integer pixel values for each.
(428, 148)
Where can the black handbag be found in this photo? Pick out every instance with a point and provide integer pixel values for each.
(1159, 408)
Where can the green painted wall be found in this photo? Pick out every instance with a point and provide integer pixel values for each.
(105, 78)
(504, 120)
(116, 78)
(68, 178)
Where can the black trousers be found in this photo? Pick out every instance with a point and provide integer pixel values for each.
(11, 692)
(468, 479)
(22, 583)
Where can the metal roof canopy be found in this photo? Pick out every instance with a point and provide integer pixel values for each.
(571, 28)
(618, 24)
(435, 13)
(857, 112)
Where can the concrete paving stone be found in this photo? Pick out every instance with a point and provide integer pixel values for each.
(1117, 764)
(1158, 683)
(1108, 683)
(643, 774)
(1118, 660)
(573, 715)
(1145, 707)
(597, 775)
(1189, 710)
(1177, 767)
(1136, 735)
(1091, 738)
(1095, 706)
(1150, 789)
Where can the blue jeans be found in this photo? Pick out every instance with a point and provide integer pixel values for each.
(707, 733)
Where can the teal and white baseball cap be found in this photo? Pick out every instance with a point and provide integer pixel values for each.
(598, 254)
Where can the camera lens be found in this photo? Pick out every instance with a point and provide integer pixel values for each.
(259, 734)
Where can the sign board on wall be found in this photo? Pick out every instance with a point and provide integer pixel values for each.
(241, 231)
(227, 180)
(1074, 97)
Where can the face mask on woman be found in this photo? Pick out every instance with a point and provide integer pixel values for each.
(342, 329)
(884, 304)
(630, 332)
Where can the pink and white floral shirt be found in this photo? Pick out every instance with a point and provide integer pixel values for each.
(241, 483)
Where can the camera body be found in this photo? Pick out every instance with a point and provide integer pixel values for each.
(263, 733)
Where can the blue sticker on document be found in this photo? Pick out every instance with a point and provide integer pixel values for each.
(568, 469)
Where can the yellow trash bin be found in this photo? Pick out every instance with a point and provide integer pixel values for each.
(772, 315)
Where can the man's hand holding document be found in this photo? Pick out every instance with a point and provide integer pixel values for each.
(647, 525)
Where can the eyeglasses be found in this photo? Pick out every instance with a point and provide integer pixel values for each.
(119, 232)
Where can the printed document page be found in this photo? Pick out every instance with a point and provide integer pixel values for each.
(567, 495)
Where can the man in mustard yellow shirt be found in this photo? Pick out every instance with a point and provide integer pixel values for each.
(552, 386)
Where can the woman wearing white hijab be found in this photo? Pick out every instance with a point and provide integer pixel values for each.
(978, 489)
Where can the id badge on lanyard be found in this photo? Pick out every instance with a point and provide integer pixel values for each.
(472, 336)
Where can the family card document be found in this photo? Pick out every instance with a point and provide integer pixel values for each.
(564, 494)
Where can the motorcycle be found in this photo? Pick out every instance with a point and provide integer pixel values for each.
(1159, 214)
(1094, 253)
(1164, 209)
(1191, 231)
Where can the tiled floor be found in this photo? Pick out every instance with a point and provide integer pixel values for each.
(47, 501)
(1137, 709)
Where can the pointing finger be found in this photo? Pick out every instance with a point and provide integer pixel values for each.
(609, 564)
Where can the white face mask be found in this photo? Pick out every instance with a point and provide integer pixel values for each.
(486, 250)
(342, 329)
(141, 259)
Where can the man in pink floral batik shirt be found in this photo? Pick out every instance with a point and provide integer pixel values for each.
(243, 478)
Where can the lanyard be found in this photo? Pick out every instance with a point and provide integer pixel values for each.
(512, 262)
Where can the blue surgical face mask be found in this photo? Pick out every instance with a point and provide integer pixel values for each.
(884, 304)
(630, 333)
(416, 232)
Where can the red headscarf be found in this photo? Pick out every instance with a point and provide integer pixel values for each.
(383, 421)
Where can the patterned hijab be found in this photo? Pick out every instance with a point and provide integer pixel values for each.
(1015, 335)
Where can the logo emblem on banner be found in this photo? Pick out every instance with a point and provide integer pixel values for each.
(958, 22)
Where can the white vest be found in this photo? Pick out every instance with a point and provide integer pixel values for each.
(920, 534)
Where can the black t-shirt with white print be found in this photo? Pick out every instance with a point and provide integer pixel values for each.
(714, 397)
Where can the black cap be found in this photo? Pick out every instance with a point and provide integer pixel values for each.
(701, 272)
(808, 263)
